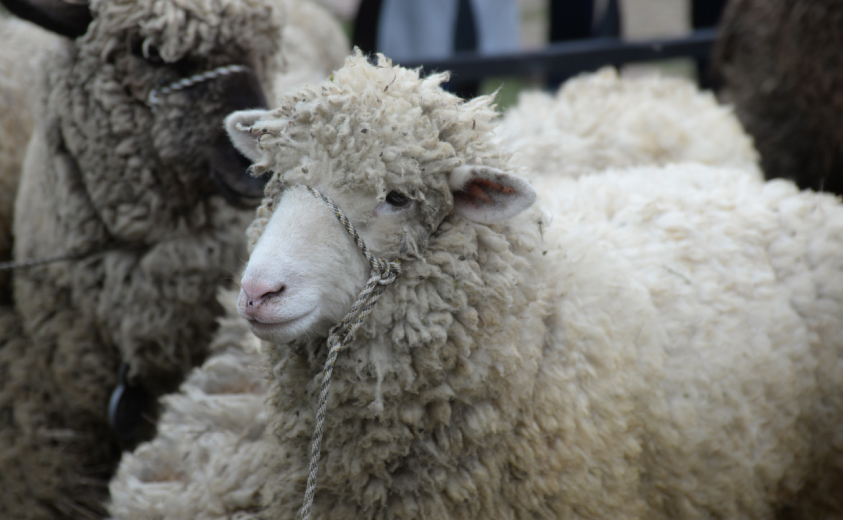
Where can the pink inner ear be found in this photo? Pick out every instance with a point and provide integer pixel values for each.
(478, 191)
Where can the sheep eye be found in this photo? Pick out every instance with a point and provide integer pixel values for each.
(153, 56)
(149, 54)
(397, 199)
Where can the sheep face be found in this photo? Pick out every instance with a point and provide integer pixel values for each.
(388, 161)
(306, 271)
(145, 163)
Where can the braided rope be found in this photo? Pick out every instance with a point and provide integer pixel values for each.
(184, 83)
(341, 335)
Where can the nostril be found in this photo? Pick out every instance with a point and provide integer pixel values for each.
(257, 293)
(273, 294)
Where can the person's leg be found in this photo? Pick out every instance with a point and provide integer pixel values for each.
(366, 26)
(465, 40)
(706, 13)
(570, 20)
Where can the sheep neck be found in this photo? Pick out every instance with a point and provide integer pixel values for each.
(409, 400)
(383, 274)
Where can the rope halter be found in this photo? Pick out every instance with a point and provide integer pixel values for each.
(341, 335)
(152, 100)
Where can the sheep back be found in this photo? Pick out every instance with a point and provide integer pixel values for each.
(215, 425)
(602, 120)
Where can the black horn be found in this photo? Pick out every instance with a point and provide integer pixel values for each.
(68, 18)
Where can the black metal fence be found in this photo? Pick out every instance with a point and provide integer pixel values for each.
(569, 58)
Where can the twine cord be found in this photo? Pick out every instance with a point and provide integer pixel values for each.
(341, 335)
(152, 100)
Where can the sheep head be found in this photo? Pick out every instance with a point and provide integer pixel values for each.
(146, 161)
(396, 153)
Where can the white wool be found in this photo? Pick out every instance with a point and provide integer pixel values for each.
(207, 460)
(669, 346)
(602, 120)
(628, 229)
(313, 44)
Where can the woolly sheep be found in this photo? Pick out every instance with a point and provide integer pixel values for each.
(669, 347)
(602, 120)
(779, 63)
(158, 197)
(312, 44)
(580, 131)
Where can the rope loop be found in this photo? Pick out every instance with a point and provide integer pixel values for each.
(152, 99)
(384, 273)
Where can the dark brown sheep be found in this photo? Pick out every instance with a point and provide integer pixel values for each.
(781, 64)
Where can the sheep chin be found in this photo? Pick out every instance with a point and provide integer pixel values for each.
(287, 329)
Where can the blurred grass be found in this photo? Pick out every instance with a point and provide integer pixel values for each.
(510, 87)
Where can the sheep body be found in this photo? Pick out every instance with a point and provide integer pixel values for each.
(668, 347)
(602, 382)
(602, 120)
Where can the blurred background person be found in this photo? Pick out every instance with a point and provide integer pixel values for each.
(412, 30)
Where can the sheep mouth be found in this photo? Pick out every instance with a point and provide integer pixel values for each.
(229, 170)
(288, 328)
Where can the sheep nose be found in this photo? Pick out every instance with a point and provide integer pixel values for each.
(256, 293)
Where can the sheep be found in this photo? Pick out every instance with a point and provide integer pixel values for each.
(602, 120)
(778, 62)
(669, 346)
(23, 47)
(312, 44)
(125, 176)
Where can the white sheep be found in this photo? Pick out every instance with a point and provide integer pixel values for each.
(602, 120)
(123, 172)
(668, 347)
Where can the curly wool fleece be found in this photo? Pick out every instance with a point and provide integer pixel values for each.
(604, 120)
(624, 374)
(105, 170)
(669, 347)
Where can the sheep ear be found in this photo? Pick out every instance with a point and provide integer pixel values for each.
(488, 195)
(68, 18)
(238, 125)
